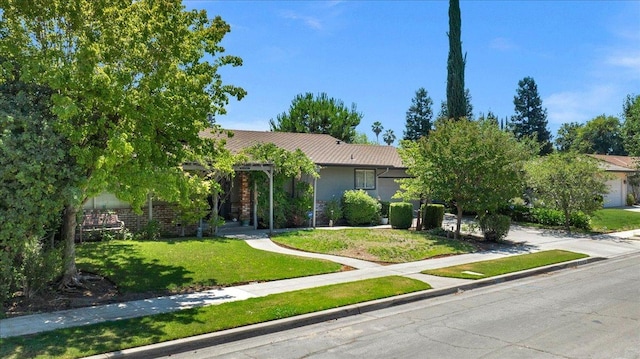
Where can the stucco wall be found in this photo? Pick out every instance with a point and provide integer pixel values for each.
(334, 181)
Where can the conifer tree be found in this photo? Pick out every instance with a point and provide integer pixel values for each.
(530, 119)
(419, 116)
(456, 99)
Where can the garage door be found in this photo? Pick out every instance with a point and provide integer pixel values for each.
(615, 197)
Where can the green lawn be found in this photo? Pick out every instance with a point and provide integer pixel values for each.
(142, 266)
(490, 268)
(380, 245)
(615, 220)
(117, 335)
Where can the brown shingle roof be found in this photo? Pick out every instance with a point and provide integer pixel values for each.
(618, 163)
(322, 149)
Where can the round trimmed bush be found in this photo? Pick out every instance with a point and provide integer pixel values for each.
(432, 216)
(495, 227)
(359, 208)
(401, 215)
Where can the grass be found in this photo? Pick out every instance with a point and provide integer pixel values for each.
(156, 266)
(615, 220)
(380, 245)
(490, 268)
(118, 335)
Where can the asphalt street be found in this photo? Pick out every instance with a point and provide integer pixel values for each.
(589, 312)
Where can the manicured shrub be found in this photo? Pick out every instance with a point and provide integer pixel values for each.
(401, 215)
(630, 199)
(432, 216)
(359, 208)
(495, 227)
(580, 220)
(547, 216)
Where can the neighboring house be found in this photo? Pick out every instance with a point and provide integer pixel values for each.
(342, 166)
(622, 168)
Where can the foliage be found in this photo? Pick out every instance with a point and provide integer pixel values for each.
(419, 116)
(401, 215)
(494, 227)
(289, 209)
(115, 336)
(443, 113)
(359, 208)
(567, 136)
(567, 182)
(631, 125)
(377, 128)
(630, 200)
(474, 165)
(600, 135)
(530, 120)
(39, 266)
(150, 231)
(333, 210)
(384, 208)
(378, 245)
(131, 92)
(432, 215)
(553, 217)
(506, 265)
(389, 137)
(319, 114)
(456, 99)
(361, 139)
(37, 180)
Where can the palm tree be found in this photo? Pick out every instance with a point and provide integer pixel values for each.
(377, 128)
(389, 137)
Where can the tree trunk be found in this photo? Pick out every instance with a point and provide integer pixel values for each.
(458, 221)
(70, 278)
(567, 221)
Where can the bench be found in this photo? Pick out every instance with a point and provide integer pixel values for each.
(98, 222)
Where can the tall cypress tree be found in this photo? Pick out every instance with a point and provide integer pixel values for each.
(456, 100)
(531, 118)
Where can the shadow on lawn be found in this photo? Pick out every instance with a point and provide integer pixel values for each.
(124, 265)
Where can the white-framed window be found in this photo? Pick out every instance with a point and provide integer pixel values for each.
(365, 179)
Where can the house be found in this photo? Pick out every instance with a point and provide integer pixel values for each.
(341, 166)
(623, 169)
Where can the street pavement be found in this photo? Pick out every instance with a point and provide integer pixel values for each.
(528, 240)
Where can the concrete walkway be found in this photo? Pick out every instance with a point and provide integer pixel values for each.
(527, 239)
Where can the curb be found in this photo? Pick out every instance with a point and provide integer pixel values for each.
(254, 330)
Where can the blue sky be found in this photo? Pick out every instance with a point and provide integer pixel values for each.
(583, 55)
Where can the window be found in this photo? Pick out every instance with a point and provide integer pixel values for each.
(365, 179)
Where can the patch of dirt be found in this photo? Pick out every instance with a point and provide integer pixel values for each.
(96, 290)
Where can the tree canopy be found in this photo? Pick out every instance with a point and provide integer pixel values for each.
(419, 116)
(319, 114)
(473, 165)
(133, 85)
(530, 119)
(567, 136)
(631, 125)
(600, 135)
(389, 137)
(568, 182)
(376, 127)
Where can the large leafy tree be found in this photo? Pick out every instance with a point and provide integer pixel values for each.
(631, 125)
(456, 99)
(319, 114)
(133, 84)
(567, 136)
(473, 165)
(530, 119)
(600, 135)
(419, 116)
(568, 182)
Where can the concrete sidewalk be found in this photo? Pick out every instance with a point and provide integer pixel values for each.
(527, 239)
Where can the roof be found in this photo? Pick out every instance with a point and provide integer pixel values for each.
(322, 149)
(618, 163)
